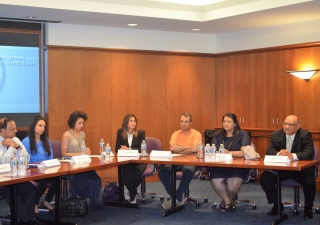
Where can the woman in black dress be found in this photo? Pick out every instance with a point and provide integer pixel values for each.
(227, 181)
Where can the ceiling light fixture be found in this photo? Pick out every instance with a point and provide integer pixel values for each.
(195, 29)
(132, 24)
(31, 17)
(303, 74)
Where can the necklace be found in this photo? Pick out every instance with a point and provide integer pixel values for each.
(231, 141)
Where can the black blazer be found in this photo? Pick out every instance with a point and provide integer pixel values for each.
(136, 141)
(302, 144)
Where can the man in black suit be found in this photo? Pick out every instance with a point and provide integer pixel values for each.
(297, 144)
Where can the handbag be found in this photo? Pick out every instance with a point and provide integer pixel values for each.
(74, 207)
(111, 192)
(249, 152)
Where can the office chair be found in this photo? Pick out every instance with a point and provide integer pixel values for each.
(252, 175)
(152, 144)
(296, 185)
(194, 199)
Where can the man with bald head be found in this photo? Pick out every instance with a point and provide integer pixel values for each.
(297, 144)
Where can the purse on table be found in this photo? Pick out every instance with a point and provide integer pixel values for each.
(249, 152)
(73, 207)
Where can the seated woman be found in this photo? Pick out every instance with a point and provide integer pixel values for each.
(129, 137)
(227, 181)
(39, 149)
(87, 184)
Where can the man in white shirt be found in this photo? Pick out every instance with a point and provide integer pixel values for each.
(9, 145)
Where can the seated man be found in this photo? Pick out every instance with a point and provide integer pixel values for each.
(297, 144)
(183, 141)
(9, 145)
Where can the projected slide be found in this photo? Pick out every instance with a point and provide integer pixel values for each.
(19, 79)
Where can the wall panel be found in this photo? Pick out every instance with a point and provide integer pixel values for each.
(190, 88)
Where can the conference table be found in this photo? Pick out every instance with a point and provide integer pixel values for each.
(67, 168)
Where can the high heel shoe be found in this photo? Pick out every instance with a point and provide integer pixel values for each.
(224, 208)
(51, 211)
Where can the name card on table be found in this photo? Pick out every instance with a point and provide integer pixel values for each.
(47, 170)
(80, 159)
(128, 153)
(160, 154)
(50, 163)
(76, 165)
(5, 168)
(127, 158)
(276, 159)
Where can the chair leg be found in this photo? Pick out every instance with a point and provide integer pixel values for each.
(243, 202)
(144, 195)
(194, 199)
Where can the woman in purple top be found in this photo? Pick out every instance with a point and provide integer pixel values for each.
(39, 149)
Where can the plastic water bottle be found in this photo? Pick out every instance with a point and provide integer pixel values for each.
(101, 145)
(14, 165)
(143, 149)
(27, 159)
(221, 151)
(207, 152)
(108, 152)
(200, 151)
(83, 147)
(213, 150)
(22, 165)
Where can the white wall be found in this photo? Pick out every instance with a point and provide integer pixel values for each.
(120, 38)
(297, 33)
(108, 37)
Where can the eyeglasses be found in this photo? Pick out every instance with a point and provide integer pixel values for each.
(12, 129)
(290, 124)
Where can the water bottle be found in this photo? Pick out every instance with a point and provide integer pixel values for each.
(83, 147)
(200, 151)
(207, 152)
(108, 152)
(14, 165)
(101, 145)
(221, 151)
(21, 165)
(27, 159)
(143, 149)
(213, 153)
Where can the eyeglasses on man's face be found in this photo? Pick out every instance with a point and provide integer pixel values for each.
(290, 124)
(12, 129)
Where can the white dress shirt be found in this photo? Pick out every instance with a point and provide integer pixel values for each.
(6, 153)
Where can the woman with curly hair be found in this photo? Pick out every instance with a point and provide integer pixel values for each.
(87, 184)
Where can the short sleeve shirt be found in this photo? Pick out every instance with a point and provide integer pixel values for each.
(190, 139)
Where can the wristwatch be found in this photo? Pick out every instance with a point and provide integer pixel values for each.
(18, 147)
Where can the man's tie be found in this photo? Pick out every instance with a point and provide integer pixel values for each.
(289, 143)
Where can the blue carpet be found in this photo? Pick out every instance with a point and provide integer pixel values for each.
(151, 212)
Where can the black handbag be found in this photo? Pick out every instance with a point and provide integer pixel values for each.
(73, 207)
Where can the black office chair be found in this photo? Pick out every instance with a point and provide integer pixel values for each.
(296, 185)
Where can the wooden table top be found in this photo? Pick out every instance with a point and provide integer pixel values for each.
(96, 164)
(235, 163)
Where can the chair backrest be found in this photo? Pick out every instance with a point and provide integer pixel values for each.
(56, 148)
(153, 144)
